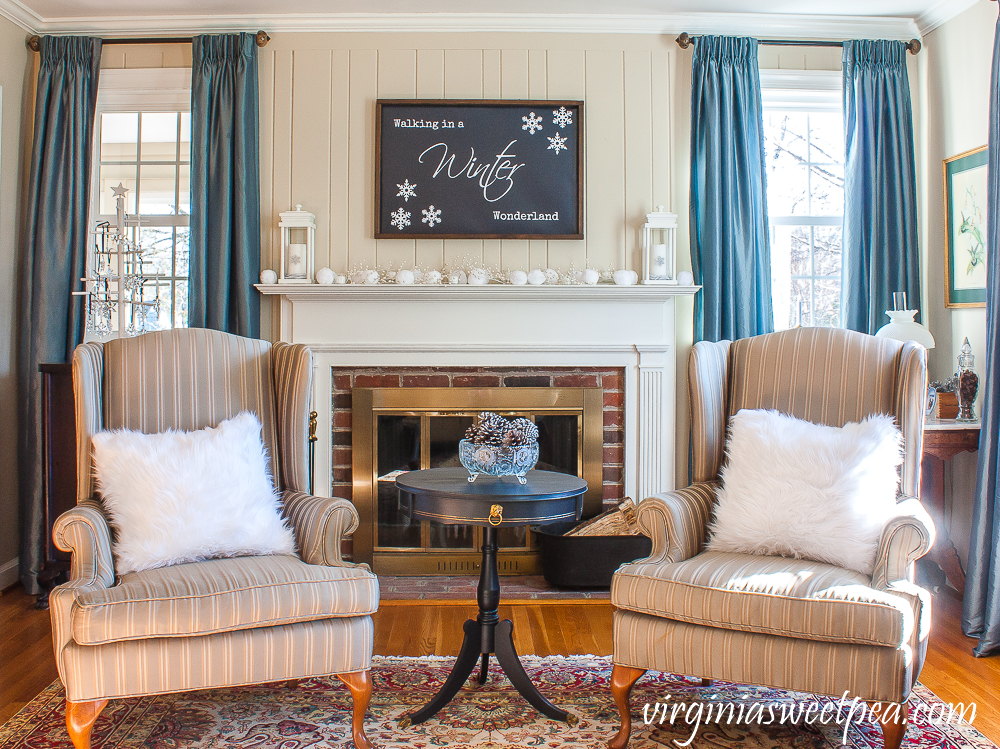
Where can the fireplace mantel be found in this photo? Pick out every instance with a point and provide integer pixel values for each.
(499, 325)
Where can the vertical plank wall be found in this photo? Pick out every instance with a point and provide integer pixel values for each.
(317, 102)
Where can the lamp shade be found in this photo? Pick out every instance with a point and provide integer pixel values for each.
(902, 327)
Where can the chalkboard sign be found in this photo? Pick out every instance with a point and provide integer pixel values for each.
(449, 169)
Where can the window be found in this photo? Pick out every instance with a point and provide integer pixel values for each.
(143, 141)
(804, 147)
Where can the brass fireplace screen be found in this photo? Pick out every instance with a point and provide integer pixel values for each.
(404, 429)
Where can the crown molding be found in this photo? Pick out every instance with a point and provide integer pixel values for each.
(772, 25)
(941, 13)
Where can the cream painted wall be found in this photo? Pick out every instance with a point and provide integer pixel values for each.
(956, 78)
(13, 64)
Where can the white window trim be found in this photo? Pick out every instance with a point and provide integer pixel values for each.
(802, 90)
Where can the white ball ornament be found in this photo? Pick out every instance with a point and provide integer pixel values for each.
(479, 277)
(685, 278)
(625, 277)
(432, 276)
(536, 277)
(370, 277)
(518, 277)
(590, 276)
(325, 276)
(268, 276)
(551, 276)
(404, 277)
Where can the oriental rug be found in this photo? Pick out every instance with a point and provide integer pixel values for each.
(317, 714)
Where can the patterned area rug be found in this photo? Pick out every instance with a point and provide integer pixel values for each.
(317, 714)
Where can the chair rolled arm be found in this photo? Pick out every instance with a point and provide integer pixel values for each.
(677, 521)
(85, 532)
(906, 537)
(319, 524)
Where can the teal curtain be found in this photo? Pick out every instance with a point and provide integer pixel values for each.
(881, 254)
(225, 185)
(981, 601)
(730, 248)
(57, 203)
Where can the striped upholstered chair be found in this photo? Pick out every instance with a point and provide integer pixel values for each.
(222, 622)
(786, 623)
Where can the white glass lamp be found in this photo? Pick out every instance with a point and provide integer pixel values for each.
(659, 247)
(902, 326)
(298, 246)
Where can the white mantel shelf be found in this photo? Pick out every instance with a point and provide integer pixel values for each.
(465, 292)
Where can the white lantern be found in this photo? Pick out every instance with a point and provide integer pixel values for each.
(298, 246)
(659, 247)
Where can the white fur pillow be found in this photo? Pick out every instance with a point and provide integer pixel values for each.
(179, 497)
(796, 489)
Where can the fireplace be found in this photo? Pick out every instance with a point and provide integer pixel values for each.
(398, 429)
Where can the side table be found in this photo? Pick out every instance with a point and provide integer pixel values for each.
(445, 495)
(943, 440)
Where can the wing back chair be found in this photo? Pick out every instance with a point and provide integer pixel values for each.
(786, 623)
(221, 622)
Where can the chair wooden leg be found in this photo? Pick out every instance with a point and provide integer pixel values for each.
(360, 684)
(893, 730)
(623, 678)
(80, 717)
(292, 683)
(707, 682)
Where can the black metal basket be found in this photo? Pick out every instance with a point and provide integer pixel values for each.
(585, 561)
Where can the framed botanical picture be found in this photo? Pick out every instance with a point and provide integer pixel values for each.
(965, 229)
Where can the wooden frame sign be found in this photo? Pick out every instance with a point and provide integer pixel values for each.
(475, 169)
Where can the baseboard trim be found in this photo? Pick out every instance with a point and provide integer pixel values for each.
(8, 573)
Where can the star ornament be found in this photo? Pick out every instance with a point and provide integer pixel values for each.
(119, 192)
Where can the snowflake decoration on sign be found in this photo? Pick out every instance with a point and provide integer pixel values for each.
(562, 117)
(431, 217)
(406, 190)
(400, 219)
(531, 123)
(557, 143)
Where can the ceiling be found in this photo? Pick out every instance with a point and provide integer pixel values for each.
(806, 18)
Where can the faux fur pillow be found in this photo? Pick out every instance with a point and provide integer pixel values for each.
(179, 497)
(796, 489)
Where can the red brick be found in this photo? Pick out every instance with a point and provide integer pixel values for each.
(613, 491)
(344, 492)
(613, 436)
(376, 381)
(344, 438)
(342, 420)
(613, 473)
(612, 418)
(527, 381)
(342, 400)
(575, 381)
(612, 381)
(614, 400)
(614, 455)
(344, 475)
(342, 382)
(425, 381)
(342, 456)
(475, 381)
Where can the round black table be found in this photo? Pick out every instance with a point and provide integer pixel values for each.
(445, 495)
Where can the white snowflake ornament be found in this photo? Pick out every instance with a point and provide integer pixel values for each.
(400, 219)
(406, 190)
(431, 216)
(562, 117)
(557, 143)
(532, 122)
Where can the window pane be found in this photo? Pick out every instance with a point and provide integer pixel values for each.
(184, 202)
(826, 309)
(781, 277)
(181, 304)
(157, 318)
(159, 136)
(157, 243)
(800, 251)
(158, 184)
(786, 135)
(185, 136)
(801, 302)
(826, 138)
(111, 175)
(827, 251)
(826, 190)
(182, 250)
(119, 136)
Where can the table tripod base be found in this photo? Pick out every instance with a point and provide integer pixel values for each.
(508, 661)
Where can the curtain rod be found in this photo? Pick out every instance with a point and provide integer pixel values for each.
(260, 37)
(685, 40)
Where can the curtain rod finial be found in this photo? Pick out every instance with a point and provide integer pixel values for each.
(684, 40)
(34, 42)
(914, 46)
(262, 38)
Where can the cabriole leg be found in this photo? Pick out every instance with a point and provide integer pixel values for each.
(80, 717)
(360, 684)
(623, 678)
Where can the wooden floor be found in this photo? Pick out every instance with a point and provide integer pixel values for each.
(540, 628)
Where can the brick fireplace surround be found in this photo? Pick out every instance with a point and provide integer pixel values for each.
(611, 379)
